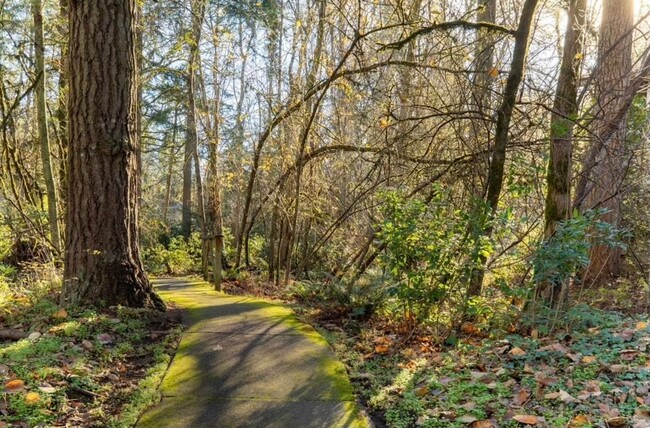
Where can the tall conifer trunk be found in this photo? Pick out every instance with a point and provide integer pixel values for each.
(102, 259)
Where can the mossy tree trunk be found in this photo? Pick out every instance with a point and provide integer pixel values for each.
(558, 194)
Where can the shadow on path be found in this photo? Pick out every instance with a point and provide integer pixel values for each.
(243, 362)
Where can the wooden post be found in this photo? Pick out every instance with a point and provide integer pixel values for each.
(216, 261)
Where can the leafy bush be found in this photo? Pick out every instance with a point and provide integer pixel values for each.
(178, 257)
(431, 250)
(567, 251)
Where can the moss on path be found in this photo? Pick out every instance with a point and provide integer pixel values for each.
(244, 362)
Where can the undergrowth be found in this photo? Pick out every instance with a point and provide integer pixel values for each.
(78, 366)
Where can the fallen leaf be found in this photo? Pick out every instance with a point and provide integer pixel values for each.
(14, 385)
(60, 314)
(626, 334)
(522, 396)
(629, 354)
(47, 389)
(482, 424)
(557, 347)
(381, 349)
(421, 392)
(469, 406)
(566, 397)
(616, 422)
(526, 419)
(104, 338)
(32, 397)
(545, 380)
(579, 421)
(618, 368)
(466, 419)
(470, 329)
(517, 352)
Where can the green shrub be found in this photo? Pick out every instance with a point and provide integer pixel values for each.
(178, 257)
(431, 250)
(566, 253)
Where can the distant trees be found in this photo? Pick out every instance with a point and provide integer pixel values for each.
(271, 133)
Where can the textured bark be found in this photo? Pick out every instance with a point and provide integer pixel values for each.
(170, 169)
(214, 186)
(558, 194)
(198, 13)
(605, 163)
(484, 55)
(481, 129)
(43, 135)
(60, 114)
(504, 116)
(102, 259)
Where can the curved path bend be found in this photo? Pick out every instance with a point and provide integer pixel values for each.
(244, 362)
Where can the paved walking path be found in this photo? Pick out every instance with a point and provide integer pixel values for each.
(244, 362)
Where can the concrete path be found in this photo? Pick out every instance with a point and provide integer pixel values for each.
(244, 362)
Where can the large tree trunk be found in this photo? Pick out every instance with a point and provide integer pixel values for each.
(604, 166)
(504, 116)
(558, 194)
(102, 260)
(43, 136)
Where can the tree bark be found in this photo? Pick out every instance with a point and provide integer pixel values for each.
(558, 194)
(605, 163)
(504, 116)
(102, 260)
(198, 13)
(43, 136)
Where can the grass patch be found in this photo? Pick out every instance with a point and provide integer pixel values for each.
(80, 367)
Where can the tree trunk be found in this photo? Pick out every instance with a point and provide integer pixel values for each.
(48, 175)
(481, 130)
(198, 13)
(504, 116)
(62, 102)
(604, 166)
(102, 260)
(311, 110)
(170, 170)
(558, 193)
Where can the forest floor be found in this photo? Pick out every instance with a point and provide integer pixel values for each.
(79, 367)
(246, 362)
(592, 371)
